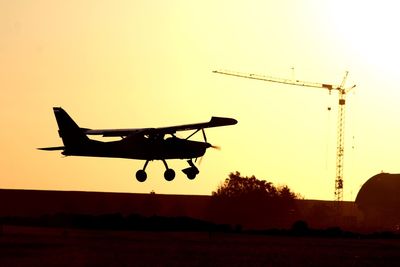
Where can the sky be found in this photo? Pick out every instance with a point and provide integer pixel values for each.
(133, 64)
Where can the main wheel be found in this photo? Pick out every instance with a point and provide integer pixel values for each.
(169, 175)
(141, 176)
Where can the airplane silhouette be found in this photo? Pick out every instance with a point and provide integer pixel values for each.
(141, 143)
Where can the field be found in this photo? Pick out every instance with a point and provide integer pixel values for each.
(24, 246)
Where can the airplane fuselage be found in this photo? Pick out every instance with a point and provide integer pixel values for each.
(139, 147)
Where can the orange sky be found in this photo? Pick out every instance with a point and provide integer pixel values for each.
(130, 64)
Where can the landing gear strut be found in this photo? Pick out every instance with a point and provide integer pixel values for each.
(141, 175)
(169, 174)
(192, 171)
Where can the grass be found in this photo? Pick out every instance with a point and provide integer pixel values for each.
(23, 246)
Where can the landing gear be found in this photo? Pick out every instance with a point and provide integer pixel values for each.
(192, 171)
(141, 175)
(169, 174)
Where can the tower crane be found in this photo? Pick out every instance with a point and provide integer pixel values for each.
(342, 91)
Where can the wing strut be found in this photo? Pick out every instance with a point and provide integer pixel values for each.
(204, 135)
(193, 133)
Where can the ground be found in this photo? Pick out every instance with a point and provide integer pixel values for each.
(23, 246)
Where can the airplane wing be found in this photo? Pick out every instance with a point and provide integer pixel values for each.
(118, 132)
(214, 122)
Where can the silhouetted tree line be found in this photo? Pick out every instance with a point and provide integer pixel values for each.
(244, 200)
(239, 186)
(134, 222)
(300, 228)
(116, 222)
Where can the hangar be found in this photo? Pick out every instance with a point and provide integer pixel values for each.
(379, 201)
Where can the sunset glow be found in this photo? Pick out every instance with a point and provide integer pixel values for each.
(132, 64)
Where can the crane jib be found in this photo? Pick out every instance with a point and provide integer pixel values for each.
(340, 125)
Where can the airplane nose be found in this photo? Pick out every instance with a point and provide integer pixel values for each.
(208, 145)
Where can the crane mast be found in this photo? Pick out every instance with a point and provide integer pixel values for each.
(341, 115)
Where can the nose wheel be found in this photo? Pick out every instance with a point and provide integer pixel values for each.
(192, 171)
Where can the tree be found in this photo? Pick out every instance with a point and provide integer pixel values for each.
(251, 201)
(238, 186)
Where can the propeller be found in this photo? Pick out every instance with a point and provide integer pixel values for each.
(201, 158)
(205, 140)
(216, 147)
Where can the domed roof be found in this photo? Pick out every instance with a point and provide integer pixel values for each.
(380, 191)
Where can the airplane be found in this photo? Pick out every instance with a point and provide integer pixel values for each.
(139, 143)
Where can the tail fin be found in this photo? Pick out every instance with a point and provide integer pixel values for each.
(69, 131)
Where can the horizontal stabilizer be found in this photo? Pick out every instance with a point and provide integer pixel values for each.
(52, 148)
